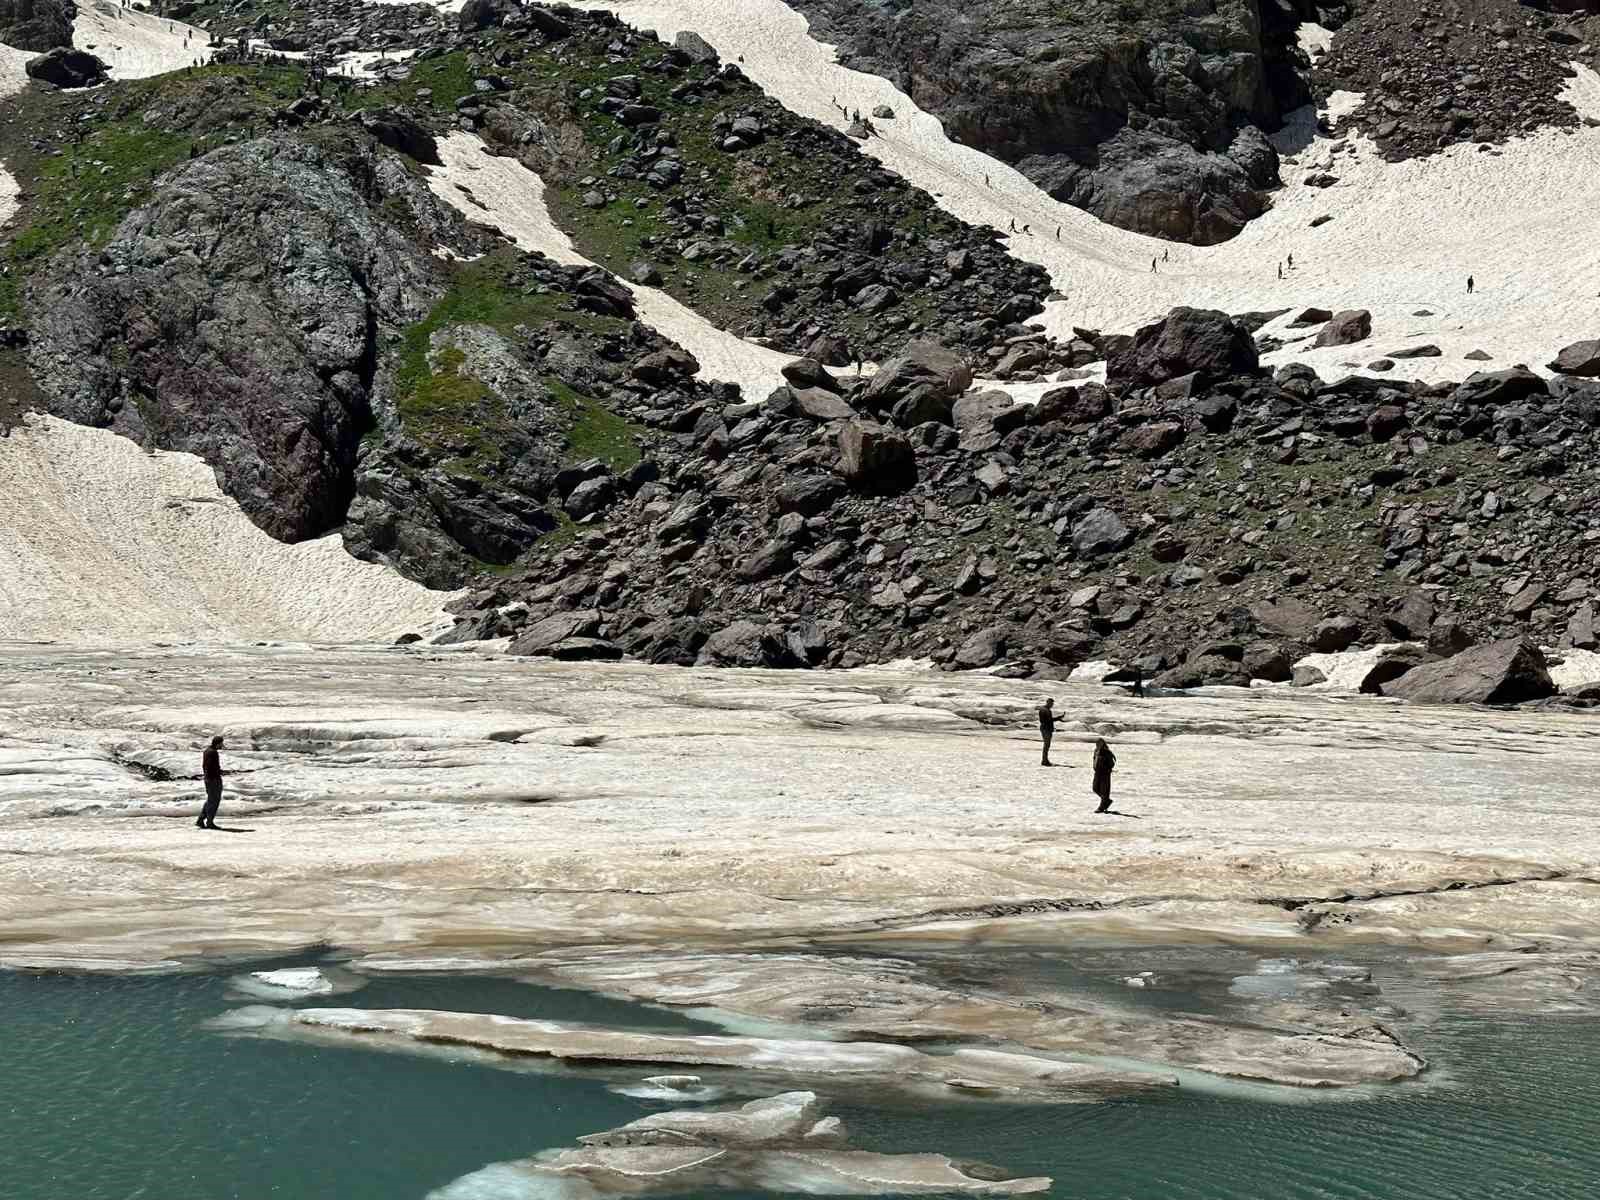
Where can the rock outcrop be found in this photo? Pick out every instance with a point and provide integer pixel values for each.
(1149, 116)
(37, 24)
(239, 316)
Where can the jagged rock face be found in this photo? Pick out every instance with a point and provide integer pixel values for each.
(436, 522)
(37, 24)
(1140, 114)
(239, 316)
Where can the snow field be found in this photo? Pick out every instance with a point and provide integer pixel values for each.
(1403, 239)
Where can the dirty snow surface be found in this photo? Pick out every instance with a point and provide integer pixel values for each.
(103, 542)
(460, 807)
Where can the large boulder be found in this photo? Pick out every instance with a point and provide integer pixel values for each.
(876, 459)
(920, 385)
(1390, 666)
(745, 644)
(983, 411)
(1499, 387)
(1504, 672)
(982, 649)
(67, 68)
(1346, 328)
(1285, 617)
(1580, 358)
(1187, 341)
(1147, 115)
(402, 130)
(540, 637)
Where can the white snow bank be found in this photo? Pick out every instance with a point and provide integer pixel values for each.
(1346, 669)
(136, 45)
(13, 78)
(504, 193)
(1577, 667)
(1314, 39)
(102, 542)
(1404, 236)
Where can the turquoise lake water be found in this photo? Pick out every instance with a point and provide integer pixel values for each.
(111, 1090)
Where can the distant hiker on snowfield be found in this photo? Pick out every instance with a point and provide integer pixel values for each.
(1104, 762)
(1152, 266)
(1013, 224)
(1047, 729)
(1280, 270)
(1469, 285)
(211, 773)
(1058, 233)
(1166, 256)
(1138, 682)
(1028, 229)
(1291, 262)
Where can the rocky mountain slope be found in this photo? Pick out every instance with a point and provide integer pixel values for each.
(1199, 515)
(1488, 70)
(1149, 116)
(268, 263)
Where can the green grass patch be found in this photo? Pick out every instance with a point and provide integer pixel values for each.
(596, 431)
(447, 77)
(449, 411)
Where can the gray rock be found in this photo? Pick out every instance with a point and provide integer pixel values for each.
(1268, 661)
(819, 405)
(745, 644)
(1306, 675)
(1580, 358)
(37, 25)
(1100, 531)
(924, 371)
(1335, 634)
(1499, 387)
(259, 361)
(581, 649)
(67, 68)
(1202, 342)
(983, 649)
(988, 410)
(1205, 670)
(874, 458)
(1505, 672)
(1285, 617)
(1390, 666)
(538, 638)
(696, 47)
(1580, 628)
(1346, 328)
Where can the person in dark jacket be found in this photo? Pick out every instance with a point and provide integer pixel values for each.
(211, 772)
(1047, 729)
(1104, 762)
